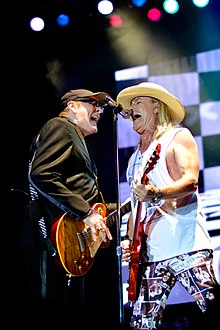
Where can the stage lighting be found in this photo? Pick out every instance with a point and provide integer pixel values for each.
(154, 14)
(139, 3)
(200, 3)
(171, 6)
(37, 24)
(105, 7)
(115, 20)
(63, 20)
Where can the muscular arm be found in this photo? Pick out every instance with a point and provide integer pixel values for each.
(183, 165)
(182, 159)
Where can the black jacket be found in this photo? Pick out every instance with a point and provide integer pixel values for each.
(61, 170)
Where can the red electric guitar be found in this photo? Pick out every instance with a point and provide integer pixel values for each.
(134, 265)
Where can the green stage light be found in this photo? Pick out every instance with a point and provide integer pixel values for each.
(171, 6)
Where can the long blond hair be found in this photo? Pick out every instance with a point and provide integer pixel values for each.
(165, 120)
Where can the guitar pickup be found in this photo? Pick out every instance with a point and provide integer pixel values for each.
(81, 239)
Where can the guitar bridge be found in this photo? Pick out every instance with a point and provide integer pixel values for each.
(85, 241)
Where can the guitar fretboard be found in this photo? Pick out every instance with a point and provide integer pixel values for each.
(112, 217)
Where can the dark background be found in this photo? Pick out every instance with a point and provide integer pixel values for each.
(41, 66)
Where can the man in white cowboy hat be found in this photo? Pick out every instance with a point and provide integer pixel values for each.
(166, 232)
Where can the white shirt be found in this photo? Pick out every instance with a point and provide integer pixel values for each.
(170, 234)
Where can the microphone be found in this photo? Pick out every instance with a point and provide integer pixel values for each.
(117, 107)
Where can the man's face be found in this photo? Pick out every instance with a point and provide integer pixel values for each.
(143, 114)
(87, 115)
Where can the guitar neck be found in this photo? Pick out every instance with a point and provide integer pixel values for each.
(112, 217)
(136, 235)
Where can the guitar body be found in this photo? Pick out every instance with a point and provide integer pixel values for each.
(135, 263)
(134, 270)
(73, 240)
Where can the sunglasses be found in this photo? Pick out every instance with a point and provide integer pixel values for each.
(95, 103)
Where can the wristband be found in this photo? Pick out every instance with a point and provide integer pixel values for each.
(157, 198)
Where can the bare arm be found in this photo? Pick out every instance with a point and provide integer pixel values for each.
(183, 165)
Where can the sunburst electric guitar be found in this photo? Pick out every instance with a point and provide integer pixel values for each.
(134, 265)
(73, 239)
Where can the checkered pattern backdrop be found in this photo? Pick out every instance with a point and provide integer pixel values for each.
(195, 80)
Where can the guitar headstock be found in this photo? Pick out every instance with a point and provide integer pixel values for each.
(151, 162)
(156, 153)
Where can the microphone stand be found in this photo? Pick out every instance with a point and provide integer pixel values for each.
(116, 110)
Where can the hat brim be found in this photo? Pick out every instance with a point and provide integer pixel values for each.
(100, 97)
(83, 94)
(177, 110)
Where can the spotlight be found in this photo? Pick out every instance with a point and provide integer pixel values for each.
(37, 24)
(139, 3)
(63, 20)
(115, 20)
(105, 7)
(154, 14)
(200, 3)
(171, 6)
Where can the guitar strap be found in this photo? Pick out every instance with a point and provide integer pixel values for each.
(41, 225)
(94, 168)
(38, 213)
(44, 274)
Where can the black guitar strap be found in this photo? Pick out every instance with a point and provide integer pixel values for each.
(94, 168)
(37, 214)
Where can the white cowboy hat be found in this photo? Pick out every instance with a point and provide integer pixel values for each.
(126, 95)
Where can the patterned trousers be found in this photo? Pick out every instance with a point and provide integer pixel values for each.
(193, 270)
